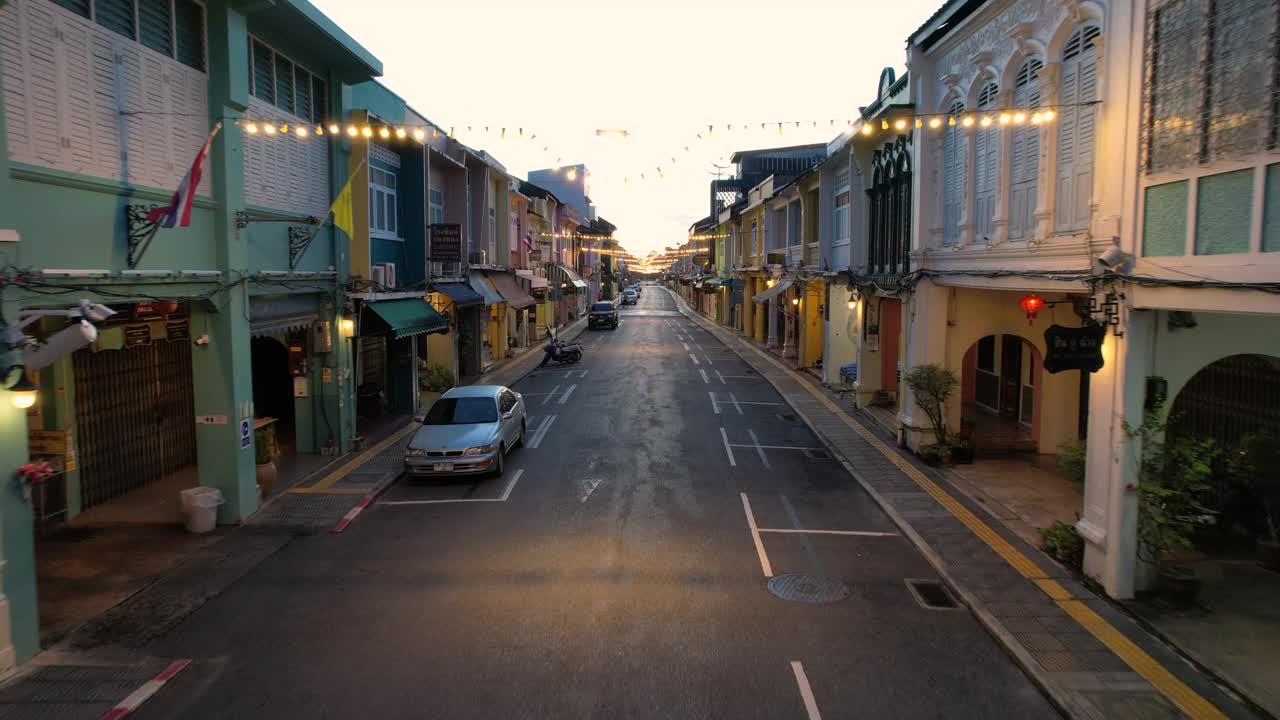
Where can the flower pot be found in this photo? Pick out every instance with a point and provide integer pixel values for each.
(1268, 554)
(1179, 587)
(266, 477)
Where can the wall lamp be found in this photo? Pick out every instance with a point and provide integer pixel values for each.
(24, 391)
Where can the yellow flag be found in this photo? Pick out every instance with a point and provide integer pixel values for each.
(341, 208)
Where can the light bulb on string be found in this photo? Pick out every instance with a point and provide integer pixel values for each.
(572, 174)
(1047, 116)
(951, 121)
(352, 131)
(419, 134)
(334, 129)
(935, 123)
(866, 128)
(319, 130)
(400, 133)
(269, 129)
(1005, 118)
(366, 131)
(900, 125)
(301, 131)
(251, 128)
(986, 121)
(884, 124)
(1019, 118)
(967, 121)
(1035, 119)
(919, 122)
(384, 133)
(284, 128)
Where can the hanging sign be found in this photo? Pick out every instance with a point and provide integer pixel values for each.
(446, 243)
(1074, 348)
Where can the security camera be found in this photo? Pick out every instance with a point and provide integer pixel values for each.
(1113, 257)
(62, 343)
(95, 311)
(16, 339)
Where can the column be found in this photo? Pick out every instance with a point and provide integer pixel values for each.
(773, 323)
(221, 367)
(926, 323)
(1110, 517)
(791, 314)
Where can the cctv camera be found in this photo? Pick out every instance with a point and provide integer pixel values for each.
(1113, 257)
(95, 311)
(16, 339)
(62, 343)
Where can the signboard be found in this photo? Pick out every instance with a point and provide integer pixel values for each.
(211, 419)
(48, 442)
(736, 289)
(246, 433)
(1074, 348)
(153, 310)
(446, 243)
(535, 256)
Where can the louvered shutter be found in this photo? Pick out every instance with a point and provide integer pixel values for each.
(1024, 156)
(13, 77)
(77, 93)
(986, 157)
(953, 179)
(155, 25)
(1086, 119)
(115, 15)
(1076, 132)
(189, 32)
(42, 99)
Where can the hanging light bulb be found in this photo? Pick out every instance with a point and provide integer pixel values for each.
(710, 129)
(1035, 119)
(384, 133)
(795, 301)
(251, 128)
(900, 125)
(951, 121)
(967, 121)
(284, 128)
(503, 136)
(366, 131)
(919, 123)
(301, 131)
(853, 303)
(352, 131)
(884, 124)
(1019, 118)
(935, 123)
(269, 129)
(986, 121)
(1005, 118)
(1047, 116)
(419, 134)
(401, 133)
(334, 129)
(572, 174)
(320, 130)
(866, 128)
(779, 128)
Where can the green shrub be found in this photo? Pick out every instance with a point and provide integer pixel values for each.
(933, 386)
(1064, 543)
(1071, 460)
(436, 378)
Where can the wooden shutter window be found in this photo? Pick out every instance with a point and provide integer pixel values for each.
(1076, 131)
(155, 25)
(264, 84)
(189, 34)
(115, 15)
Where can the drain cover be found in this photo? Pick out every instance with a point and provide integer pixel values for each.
(808, 588)
(932, 595)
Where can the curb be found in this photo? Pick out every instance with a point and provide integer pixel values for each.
(144, 693)
(1062, 703)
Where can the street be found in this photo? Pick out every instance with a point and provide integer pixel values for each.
(617, 570)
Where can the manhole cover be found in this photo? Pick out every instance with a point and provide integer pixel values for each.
(808, 588)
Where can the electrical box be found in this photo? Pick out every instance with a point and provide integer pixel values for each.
(323, 338)
(300, 386)
(297, 357)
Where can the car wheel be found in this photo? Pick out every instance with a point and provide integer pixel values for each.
(520, 440)
(502, 461)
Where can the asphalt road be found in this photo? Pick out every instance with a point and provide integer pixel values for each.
(620, 578)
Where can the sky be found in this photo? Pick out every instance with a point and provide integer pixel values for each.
(662, 70)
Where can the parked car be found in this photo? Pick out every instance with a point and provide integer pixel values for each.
(469, 430)
(629, 297)
(603, 314)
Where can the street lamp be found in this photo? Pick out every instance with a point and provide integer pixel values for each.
(24, 391)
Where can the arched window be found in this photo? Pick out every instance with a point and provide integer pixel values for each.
(986, 166)
(1076, 130)
(1024, 154)
(954, 168)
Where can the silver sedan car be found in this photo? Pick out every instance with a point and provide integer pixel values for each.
(469, 430)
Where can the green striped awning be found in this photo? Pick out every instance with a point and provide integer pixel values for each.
(409, 317)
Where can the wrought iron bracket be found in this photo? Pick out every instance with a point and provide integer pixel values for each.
(140, 231)
(1109, 308)
(242, 219)
(300, 237)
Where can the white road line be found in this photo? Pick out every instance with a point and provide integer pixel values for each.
(707, 357)
(515, 477)
(755, 537)
(686, 346)
(802, 531)
(715, 406)
(775, 447)
(565, 398)
(541, 432)
(728, 450)
(759, 449)
(722, 382)
(694, 359)
(737, 405)
(704, 375)
(551, 394)
(591, 487)
(806, 693)
(583, 373)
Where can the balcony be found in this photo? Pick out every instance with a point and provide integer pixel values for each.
(775, 257)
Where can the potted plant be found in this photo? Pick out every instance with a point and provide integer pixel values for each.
(1064, 544)
(932, 386)
(264, 457)
(1174, 474)
(433, 381)
(1256, 465)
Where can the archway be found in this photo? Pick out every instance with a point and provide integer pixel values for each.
(1000, 394)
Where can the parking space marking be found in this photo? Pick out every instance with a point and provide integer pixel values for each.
(715, 406)
(541, 432)
(705, 379)
(694, 359)
(686, 346)
(565, 398)
(551, 394)
(759, 448)
(734, 377)
(591, 487)
(728, 450)
(806, 692)
(755, 536)
(511, 484)
(808, 531)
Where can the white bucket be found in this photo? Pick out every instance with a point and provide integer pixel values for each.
(200, 505)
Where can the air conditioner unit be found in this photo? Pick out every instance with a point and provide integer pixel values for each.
(383, 274)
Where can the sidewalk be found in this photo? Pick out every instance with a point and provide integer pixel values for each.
(510, 370)
(1091, 659)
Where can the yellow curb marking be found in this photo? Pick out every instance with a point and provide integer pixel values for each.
(1171, 687)
(336, 476)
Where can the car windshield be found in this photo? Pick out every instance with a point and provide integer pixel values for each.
(602, 307)
(629, 291)
(462, 411)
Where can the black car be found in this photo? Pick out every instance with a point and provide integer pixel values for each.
(603, 314)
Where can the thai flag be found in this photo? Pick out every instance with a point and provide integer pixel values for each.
(528, 241)
(178, 211)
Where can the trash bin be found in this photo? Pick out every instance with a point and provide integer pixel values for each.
(200, 505)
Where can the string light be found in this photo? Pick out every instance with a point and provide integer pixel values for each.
(366, 131)
(951, 121)
(334, 129)
(419, 134)
(301, 131)
(572, 174)
(866, 129)
(400, 133)
(986, 121)
(1047, 116)
(269, 129)
(900, 125)
(384, 133)
(1005, 118)
(967, 121)
(884, 124)
(919, 122)
(251, 128)
(1019, 118)
(1035, 119)
(935, 123)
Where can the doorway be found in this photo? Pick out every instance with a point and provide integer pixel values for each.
(273, 390)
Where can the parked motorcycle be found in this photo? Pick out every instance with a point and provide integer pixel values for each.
(561, 352)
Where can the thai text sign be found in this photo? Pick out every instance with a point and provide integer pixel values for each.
(446, 243)
(1070, 348)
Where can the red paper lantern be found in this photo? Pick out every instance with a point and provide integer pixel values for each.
(1032, 304)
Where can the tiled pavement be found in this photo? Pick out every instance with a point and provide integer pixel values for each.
(1090, 659)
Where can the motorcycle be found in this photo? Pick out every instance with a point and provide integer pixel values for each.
(561, 352)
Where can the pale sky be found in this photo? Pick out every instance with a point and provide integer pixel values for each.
(662, 70)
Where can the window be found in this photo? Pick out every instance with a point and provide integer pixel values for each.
(462, 411)
(275, 79)
(755, 237)
(1223, 213)
(383, 166)
(1076, 131)
(954, 169)
(436, 208)
(1024, 155)
(986, 167)
(1173, 38)
(1164, 220)
(841, 212)
(889, 229)
(1271, 211)
(170, 27)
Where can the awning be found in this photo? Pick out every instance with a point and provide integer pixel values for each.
(510, 290)
(573, 277)
(406, 318)
(481, 285)
(460, 293)
(276, 314)
(774, 291)
(535, 282)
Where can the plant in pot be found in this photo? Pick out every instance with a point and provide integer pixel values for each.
(1256, 465)
(263, 451)
(1065, 544)
(433, 382)
(932, 386)
(1174, 474)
